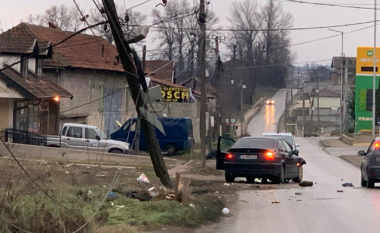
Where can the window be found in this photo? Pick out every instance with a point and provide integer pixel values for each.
(24, 67)
(38, 67)
(75, 132)
(287, 146)
(90, 133)
(369, 100)
(64, 130)
(255, 143)
(280, 146)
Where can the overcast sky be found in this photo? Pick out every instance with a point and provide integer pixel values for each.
(305, 15)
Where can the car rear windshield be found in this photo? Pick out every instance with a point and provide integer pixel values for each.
(257, 143)
(288, 139)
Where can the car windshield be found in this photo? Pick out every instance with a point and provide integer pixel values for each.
(254, 143)
(101, 133)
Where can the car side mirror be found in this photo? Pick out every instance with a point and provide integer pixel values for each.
(97, 137)
(296, 152)
(298, 145)
(362, 152)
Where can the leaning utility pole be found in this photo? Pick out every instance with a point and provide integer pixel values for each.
(217, 108)
(202, 76)
(133, 79)
(303, 109)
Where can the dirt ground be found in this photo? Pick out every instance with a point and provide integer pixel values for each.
(207, 185)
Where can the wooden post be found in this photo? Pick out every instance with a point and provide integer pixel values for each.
(131, 71)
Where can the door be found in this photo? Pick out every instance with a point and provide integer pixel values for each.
(291, 161)
(366, 158)
(285, 156)
(90, 142)
(224, 144)
(63, 142)
(74, 138)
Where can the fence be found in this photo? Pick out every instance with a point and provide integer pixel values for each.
(11, 135)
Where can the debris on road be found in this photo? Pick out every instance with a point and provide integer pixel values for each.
(348, 185)
(69, 165)
(225, 211)
(226, 184)
(340, 191)
(139, 195)
(306, 184)
(276, 202)
(298, 193)
(143, 179)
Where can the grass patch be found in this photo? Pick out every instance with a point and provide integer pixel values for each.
(188, 156)
(164, 212)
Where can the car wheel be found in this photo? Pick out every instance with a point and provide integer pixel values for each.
(281, 177)
(299, 178)
(170, 149)
(116, 151)
(250, 179)
(370, 183)
(363, 182)
(229, 177)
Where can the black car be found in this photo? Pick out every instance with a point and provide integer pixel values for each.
(258, 157)
(370, 166)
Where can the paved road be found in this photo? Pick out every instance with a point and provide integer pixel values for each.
(266, 120)
(320, 208)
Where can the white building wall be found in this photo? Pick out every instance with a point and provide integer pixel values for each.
(8, 59)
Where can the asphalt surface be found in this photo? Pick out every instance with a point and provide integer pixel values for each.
(266, 120)
(326, 207)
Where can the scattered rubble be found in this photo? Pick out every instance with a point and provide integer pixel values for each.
(348, 185)
(143, 179)
(141, 195)
(306, 184)
(340, 191)
(276, 202)
(192, 206)
(225, 211)
(298, 193)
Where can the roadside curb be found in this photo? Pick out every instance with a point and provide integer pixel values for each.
(349, 161)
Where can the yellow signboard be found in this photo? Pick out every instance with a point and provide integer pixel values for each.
(175, 94)
(364, 60)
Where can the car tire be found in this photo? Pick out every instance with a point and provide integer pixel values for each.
(250, 179)
(363, 181)
(280, 179)
(115, 151)
(370, 183)
(170, 149)
(229, 177)
(299, 178)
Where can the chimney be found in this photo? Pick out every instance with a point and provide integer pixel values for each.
(53, 25)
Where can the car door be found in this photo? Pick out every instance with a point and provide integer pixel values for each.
(364, 166)
(74, 138)
(63, 143)
(291, 161)
(91, 143)
(285, 156)
(224, 144)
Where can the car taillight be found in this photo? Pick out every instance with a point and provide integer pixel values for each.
(269, 155)
(229, 156)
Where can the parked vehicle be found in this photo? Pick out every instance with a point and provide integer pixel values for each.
(287, 137)
(86, 137)
(370, 166)
(179, 135)
(258, 157)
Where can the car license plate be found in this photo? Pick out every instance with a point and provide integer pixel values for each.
(248, 156)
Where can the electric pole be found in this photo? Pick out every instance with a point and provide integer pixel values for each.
(231, 83)
(303, 109)
(202, 76)
(241, 109)
(319, 126)
(134, 79)
(217, 108)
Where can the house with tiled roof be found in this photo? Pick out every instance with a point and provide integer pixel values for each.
(29, 99)
(88, 68)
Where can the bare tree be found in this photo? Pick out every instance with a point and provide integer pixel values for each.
(244, 16)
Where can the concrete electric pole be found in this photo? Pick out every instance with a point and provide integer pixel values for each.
(128, 59)
(202, 76)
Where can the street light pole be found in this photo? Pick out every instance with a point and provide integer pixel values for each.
(374, 77)
(341, 83)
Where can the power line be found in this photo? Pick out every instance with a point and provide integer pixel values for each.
(278, 29)
(331, 4)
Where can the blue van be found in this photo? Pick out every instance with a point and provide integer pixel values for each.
(179, 134)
